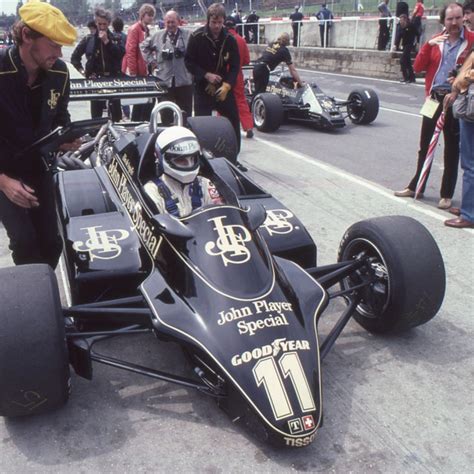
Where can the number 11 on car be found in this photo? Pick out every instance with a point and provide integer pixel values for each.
(266, 372)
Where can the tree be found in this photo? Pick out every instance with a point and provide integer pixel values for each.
(77, 11)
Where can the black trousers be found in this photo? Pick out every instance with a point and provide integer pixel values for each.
(261, 75)
(384, 34)
(405, 63)
(114, 112)
(324, 37)
(181, 96)
(296, 33)
(451, 151)
(33, 233)
(204, 104)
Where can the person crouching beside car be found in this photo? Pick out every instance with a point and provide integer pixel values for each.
(34, 85)
(276, 53)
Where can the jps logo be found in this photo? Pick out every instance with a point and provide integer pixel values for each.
(277, 221)
(230, 243)
(53, 100)
(101, 244)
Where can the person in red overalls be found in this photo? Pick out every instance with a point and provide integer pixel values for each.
(246, 118)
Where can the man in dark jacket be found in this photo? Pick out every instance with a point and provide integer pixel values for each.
(296, 24)
(104, 52)
(252, 21)
(34, 85)
(406, 35)
(212, 57)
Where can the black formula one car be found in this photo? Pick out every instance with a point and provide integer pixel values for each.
(308, 104)
(237, 285)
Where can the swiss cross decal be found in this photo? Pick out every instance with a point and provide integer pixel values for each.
(308, 422)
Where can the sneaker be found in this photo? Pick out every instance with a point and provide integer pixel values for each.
(444, 203)
(250, 133)
(241, 167)
(406, 193)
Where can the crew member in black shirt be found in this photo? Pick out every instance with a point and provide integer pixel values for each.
(34, 85)
(406, 35)
(212, 57)
(270, 59)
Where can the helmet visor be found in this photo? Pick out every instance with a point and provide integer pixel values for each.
(181, 162)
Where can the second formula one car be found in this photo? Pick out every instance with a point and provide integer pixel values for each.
(308, 104)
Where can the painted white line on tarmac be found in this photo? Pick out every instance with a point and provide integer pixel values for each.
(410, 203)
(323, 73)
(411, 114)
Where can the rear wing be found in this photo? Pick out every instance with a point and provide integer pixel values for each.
(116, 88)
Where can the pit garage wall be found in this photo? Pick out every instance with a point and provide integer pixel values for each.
(379, 64)
(364, 60)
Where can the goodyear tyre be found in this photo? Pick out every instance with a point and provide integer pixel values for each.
(405, 273)
(34, 369)
(267, 112)
(364, 106)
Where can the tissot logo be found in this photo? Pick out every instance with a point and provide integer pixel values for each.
(277, 221)
(230, 243)
(295, 426)
(101, 244)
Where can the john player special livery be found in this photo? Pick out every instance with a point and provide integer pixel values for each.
(237, 285)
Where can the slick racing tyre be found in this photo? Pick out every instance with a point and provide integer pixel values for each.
(217, 135)
(34, 369)
(405, 273)
(363, 107)
(267, 112)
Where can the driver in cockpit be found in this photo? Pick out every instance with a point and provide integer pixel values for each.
(177, 189)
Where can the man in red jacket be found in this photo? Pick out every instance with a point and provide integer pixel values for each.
(439, 57)
(133, 63)
(245, 115)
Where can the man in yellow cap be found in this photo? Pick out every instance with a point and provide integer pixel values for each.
(34, 94)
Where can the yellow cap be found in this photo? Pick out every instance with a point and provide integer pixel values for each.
(49, 21)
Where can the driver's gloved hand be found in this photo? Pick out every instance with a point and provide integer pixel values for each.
(221, 93)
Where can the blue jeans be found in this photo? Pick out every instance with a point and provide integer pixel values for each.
(467, 164)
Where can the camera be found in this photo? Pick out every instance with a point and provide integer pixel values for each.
(167, 54)
(178, 53)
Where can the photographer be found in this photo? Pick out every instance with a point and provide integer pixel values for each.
(104, 53)
(164, 51)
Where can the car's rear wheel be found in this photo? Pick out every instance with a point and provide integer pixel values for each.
(405, 272)
(267, 111)
(217, 135)
(363, 106)
(34, 369)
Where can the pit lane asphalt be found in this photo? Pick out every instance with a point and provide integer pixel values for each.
(391, 404)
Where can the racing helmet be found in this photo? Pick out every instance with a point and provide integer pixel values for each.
(177, 154)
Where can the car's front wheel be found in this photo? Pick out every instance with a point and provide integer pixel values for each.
(403, 283)
(363, 106)
(34, 369)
